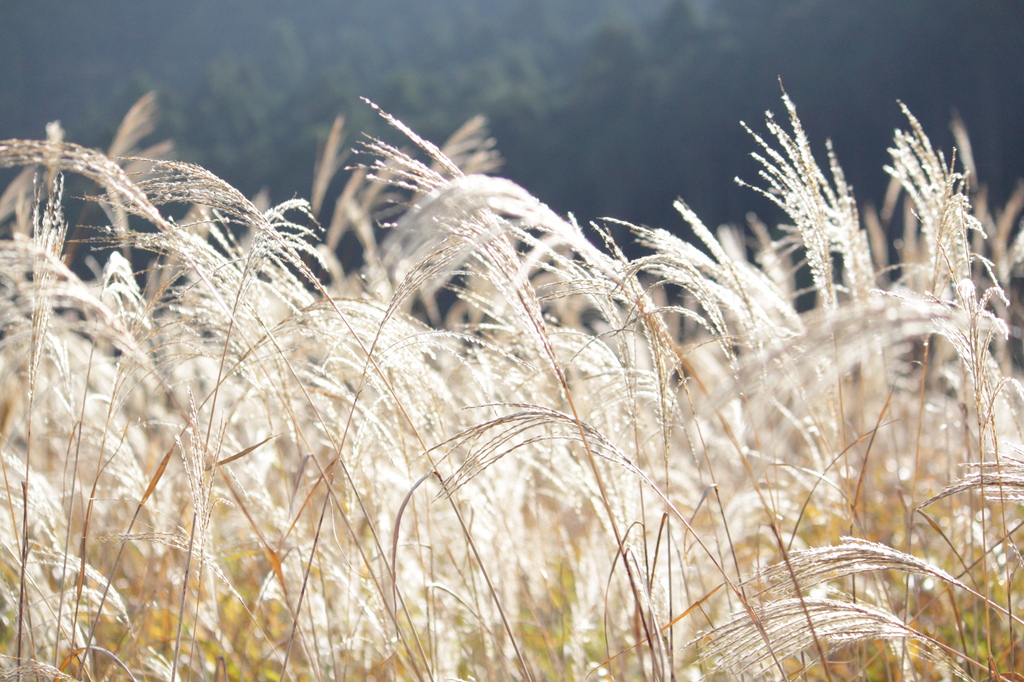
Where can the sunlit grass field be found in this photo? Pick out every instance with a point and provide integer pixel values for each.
(502, 445)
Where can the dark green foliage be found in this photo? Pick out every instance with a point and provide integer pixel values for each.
(605, 108)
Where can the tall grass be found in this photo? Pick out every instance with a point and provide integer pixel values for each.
(500, 448)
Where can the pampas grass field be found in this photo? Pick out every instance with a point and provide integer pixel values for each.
(502, 445)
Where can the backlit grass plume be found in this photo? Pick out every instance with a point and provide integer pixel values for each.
(502, 445)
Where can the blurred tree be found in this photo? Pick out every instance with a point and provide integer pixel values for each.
(602, 107)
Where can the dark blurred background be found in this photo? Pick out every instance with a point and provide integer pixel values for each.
(600, 107)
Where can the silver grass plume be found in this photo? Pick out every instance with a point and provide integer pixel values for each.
(805, 569)
(825, 216)
(785, 628)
